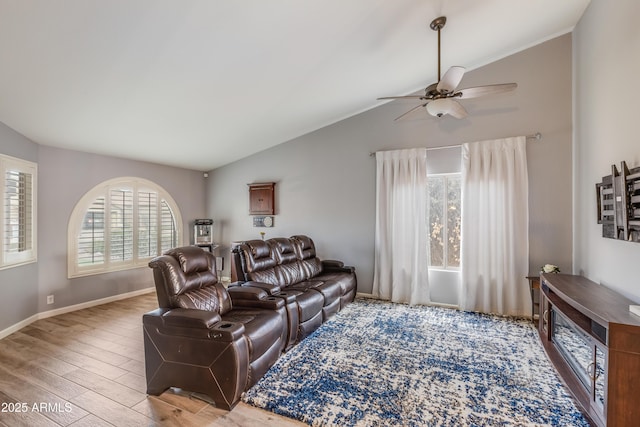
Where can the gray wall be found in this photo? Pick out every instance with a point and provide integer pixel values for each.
(326, 179)
(64, 176)
(607, 64)
(18, 285)
(326, 182)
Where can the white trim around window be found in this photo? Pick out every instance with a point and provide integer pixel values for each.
(121, 224)
(18, 219)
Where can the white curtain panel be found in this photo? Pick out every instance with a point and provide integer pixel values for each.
(401, 246)
(495, 227)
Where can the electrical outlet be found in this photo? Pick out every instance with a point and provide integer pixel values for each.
(49, 299)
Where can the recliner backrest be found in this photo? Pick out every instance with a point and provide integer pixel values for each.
(186, 277)
(288, 267)
(258, 262)
(306, 252)
(279, 261)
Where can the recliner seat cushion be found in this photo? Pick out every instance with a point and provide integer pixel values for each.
(346, 282)
(330, 291)
(310, 303)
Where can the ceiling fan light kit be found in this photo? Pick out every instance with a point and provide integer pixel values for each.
(439, 97)
(440, 107)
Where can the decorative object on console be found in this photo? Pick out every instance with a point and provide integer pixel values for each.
(261, 198)
(550, 268)
(618, 198)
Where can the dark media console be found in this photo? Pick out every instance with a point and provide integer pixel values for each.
(594, 342)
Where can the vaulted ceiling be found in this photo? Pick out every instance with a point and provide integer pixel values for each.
(202, 83)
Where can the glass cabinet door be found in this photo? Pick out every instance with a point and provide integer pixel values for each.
(599, 377)
(576, 348)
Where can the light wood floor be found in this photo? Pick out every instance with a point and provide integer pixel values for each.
(86, 368)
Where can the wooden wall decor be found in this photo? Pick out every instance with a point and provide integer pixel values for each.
(618, 199)
(261, 198)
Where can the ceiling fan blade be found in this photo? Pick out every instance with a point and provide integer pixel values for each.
(475, 92)
(404, 116)
(457, 110)
(402, 97)
(450, 80)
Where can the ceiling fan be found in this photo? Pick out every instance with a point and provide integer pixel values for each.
(441, 98)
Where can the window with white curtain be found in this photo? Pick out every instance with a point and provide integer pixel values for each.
(18, 212)
(444, 196)
(121, 224)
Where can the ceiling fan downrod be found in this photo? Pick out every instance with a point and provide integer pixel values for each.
(436, 25)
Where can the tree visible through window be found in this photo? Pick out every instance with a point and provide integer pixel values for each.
(444, 195)
(121, 224)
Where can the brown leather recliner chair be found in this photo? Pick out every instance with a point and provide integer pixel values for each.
(204, 338)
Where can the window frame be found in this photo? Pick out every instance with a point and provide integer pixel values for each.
(10, 259)
(445, 220)
(103, 190)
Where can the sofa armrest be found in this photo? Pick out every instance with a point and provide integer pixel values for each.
(235, 284)
(246, 296)
(194, 324)
(247, 293)
(333, 265)
(191, 318)
(287, 296)
(273, 290)
(267, 287)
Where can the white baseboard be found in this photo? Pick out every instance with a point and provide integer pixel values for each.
(55, 312)
(365, 295)
(436, 304)
(16, 327)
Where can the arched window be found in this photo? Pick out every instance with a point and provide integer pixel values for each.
(121, 224)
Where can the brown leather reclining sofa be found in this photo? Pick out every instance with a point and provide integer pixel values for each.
(289, 266)
(208, 339)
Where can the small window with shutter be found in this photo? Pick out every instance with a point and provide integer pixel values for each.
(18, 213)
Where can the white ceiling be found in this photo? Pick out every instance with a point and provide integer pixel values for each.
(202, 83)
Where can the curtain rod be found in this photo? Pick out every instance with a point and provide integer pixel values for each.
(537, 136)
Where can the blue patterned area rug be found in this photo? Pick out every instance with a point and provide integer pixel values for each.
(379, 364)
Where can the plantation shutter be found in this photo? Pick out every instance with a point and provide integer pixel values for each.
(91, 239)
(18, 202)
(169, 234)
(147, 224)
(121, 225)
